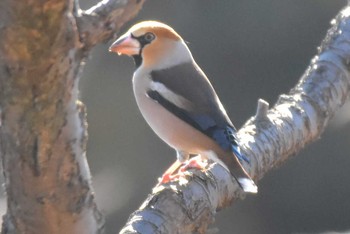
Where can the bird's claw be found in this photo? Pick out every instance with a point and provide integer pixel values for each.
(177, 170)
(195, 162)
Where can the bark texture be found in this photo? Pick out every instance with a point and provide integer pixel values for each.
(43, 129)
(268, 139)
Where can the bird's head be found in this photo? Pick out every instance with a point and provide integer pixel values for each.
(153, 45)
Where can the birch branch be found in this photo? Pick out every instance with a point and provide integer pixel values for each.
(268, 139)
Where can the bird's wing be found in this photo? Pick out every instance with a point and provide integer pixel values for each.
(185, 91)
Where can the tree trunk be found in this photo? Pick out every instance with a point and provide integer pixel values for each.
(43, 129)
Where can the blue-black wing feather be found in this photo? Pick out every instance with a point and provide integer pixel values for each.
(224, 136)
(205, 114)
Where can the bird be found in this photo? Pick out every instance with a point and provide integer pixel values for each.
(178, 101)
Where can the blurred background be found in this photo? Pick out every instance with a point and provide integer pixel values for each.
(249, 50)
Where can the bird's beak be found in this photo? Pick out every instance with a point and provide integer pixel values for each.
(126, 45)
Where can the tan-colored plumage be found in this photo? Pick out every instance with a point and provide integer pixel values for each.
(159, 29)
(177, 100)
(163, 42)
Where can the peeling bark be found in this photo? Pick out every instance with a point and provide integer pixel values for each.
(268, 139)
(43, 129)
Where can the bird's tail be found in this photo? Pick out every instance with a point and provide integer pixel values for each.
(237, 171)
(247, 184)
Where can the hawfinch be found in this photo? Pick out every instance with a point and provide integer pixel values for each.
(178, 101)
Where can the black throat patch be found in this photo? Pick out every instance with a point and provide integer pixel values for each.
(138, 58)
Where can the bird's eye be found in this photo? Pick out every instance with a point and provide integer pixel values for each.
(149, 37)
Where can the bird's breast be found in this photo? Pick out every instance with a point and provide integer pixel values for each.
(174, 131)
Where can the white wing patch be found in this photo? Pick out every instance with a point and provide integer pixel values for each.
(169, 95)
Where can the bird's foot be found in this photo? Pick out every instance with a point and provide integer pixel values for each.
(168, 174)
(178, 169)
(195, 162)
(166, 178)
